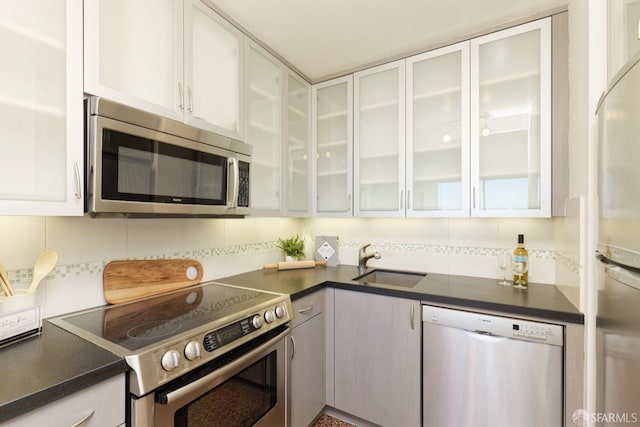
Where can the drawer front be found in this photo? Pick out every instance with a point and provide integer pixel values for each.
(307, 307)
(100, 405)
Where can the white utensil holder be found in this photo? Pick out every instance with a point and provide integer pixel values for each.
(20, 316)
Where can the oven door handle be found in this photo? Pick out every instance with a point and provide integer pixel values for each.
(220, 375)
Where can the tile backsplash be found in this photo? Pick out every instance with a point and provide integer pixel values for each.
(231, 246)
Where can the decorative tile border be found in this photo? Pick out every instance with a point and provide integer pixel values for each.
(445, 249)
(568, 263)
(74, 270)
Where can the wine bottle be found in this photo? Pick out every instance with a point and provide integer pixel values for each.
(520, 264)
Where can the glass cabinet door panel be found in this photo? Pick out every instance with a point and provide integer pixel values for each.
(264, 128)
(511, 121)
(438, 132)
(41, 142)
(298, 146)
(133, 52)
(213, 73)
(379, 140)
(333, 142)
(623, 30)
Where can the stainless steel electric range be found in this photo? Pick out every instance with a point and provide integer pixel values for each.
(211, 354)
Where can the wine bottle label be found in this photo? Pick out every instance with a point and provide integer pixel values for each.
(520, 258)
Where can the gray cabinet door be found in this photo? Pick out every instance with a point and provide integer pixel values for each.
(307, 371)
(377, 358)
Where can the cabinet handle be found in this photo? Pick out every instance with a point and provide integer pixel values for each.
(304, 310)
(474, 197)
(293, 346)
(401, 199)
(190, 99)
(411, 316)
(408, 199)
(84, 420)
(181, 104)
(78, 192)
(639, 29)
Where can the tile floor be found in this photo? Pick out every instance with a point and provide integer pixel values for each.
(325, 420)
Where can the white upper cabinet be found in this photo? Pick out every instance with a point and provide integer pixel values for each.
(41, 141)
(264, 128)
(213, 71)
(437, 123)
(297, 145)
(623, 33)
(175, 58)
(332, 131)
(511, 122)
(379, 140)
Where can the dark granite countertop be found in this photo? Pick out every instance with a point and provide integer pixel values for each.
(540, 300)
(41, 369)
(47, 367)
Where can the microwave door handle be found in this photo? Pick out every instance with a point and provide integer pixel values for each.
(233, 182)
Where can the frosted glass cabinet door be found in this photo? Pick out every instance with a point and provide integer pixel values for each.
(133, 53)
(438, 132)
(379, 143)
(212, 71)
(333, 142)
(623, 28)
(41, 145)
(298, 146)
(263, 128)
(510, 128)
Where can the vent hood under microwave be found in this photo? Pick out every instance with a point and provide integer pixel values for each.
(142, 165)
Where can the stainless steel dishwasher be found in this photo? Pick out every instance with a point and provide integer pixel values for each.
(482, 370)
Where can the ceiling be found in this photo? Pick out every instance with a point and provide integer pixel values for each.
(326, 38)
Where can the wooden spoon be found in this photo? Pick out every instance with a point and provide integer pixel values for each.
(44, 264)
(5, 281)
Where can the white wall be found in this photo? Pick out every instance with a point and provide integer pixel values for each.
(231, 246)
(85, 245)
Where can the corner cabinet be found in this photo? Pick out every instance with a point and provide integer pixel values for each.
(41, 141)
(332, 132)
(174, 58)
(307, 354)
(379, 140)
(377, 358)
(511, 122)
(297, 145)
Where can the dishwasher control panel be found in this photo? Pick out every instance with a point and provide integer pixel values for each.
(492, 325)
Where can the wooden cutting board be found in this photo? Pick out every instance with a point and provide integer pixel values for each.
(130, 280)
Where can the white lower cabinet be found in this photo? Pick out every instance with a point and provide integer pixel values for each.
(307, 352)
(377, 358)
(101, 405)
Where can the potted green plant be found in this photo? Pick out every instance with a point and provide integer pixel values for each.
(292, 247)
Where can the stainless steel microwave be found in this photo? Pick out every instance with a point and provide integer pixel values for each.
(143, 165)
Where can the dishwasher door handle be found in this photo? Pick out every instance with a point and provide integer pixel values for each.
(485, 336)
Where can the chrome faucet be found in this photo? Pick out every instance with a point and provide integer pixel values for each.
(363, 257)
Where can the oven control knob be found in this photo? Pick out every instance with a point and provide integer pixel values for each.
(280, 311)
(269, 316)
(192, 350)
(170, 360)
(256, 321)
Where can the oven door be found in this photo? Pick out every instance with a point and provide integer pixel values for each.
(247, 391)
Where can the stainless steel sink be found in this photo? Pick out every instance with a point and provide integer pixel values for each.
(391, 277)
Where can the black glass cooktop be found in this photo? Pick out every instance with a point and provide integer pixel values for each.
(139, 324)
